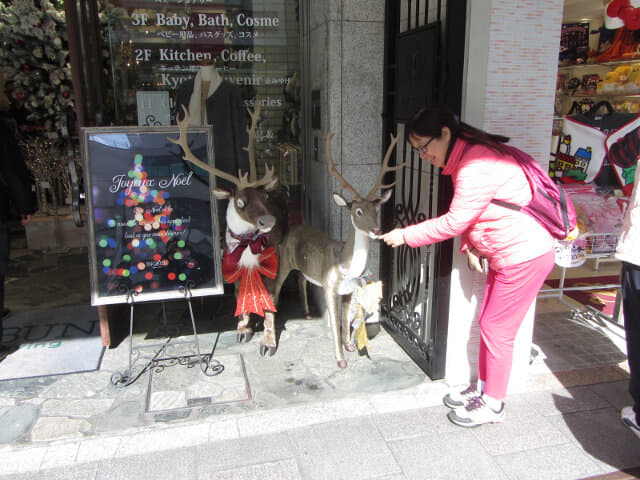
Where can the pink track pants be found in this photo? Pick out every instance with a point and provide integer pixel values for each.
(508, 294)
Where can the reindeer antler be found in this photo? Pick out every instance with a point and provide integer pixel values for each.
(251, 147)
(190, 157)
(332, 169)
(385, 168)
(241, 180)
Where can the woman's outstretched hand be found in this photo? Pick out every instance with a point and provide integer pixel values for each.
(394, 238)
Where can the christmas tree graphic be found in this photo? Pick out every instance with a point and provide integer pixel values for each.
(145, 249)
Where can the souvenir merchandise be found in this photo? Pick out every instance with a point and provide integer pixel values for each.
(624, 143)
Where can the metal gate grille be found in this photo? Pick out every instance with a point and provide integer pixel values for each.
(424, 48)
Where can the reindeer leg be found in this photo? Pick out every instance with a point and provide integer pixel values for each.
(268, 342)
(244, 330)
(344, 324)
(331, 299)
(304, 298)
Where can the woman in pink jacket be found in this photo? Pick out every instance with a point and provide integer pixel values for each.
(518, 250)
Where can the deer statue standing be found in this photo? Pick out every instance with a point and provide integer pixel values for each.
(256, 217)
(331, 264)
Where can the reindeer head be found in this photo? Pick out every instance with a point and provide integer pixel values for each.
(250, 208)
(364, 211)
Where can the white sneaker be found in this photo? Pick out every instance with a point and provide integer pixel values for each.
(457, 399)
(628, 417)
(476, 412)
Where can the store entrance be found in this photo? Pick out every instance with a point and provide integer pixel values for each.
(423, 64)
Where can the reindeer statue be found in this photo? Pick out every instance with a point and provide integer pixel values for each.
(331, 264)
(256, 217)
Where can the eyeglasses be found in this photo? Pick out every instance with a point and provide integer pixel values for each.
(423, 149)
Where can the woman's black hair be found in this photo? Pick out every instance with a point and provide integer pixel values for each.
(428, 122)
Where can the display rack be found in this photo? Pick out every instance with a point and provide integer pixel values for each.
(601, 248)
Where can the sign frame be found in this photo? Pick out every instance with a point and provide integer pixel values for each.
(150, 219)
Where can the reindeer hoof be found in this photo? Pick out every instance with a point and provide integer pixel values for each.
(342, 363)
(244, 337)
(264, 350)
(307, 316)
(350, 347)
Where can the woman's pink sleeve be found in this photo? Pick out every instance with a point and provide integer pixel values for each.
(475, 186)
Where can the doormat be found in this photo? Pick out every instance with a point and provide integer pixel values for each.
(603, 300)
(179, 386)
(53, 341)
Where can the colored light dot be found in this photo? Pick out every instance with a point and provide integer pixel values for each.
(182, 277)
(138, 158)
(171, 276)
(154, 285)
(178, 228)
(106, 262)
(143, 189)
(120, 201)
(191, 264)
(164, 262)
(112, 242)
(106, 270)
(131, 223)
(181, 243)
(102, 243)
(177, 255)
(148, 275)
(139, 288)
(151, 243)
(125, 272)
(111, 223)
(156, 225)
(141, 266)
(147, 227)
(135, 242)
(126, 257)
(134, 270)
(130, 173)
(178, 221)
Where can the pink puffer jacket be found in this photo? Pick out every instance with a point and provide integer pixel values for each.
(504, 236)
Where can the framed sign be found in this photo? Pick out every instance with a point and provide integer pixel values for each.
(153, 226)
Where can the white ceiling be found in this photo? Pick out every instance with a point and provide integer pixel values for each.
(575, 10)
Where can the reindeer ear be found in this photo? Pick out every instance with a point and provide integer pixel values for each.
(385, 197)
(339, 200)
(221, 193)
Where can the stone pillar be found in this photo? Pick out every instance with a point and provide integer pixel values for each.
(344, 45)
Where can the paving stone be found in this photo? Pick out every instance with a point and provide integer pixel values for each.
(123, 415)
(280, 470)
(342, 449)
(84, 408)
(452, 455)
(559, 462)
(17, 421)
(56, 428)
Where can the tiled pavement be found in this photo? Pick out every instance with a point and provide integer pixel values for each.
(380, 419)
